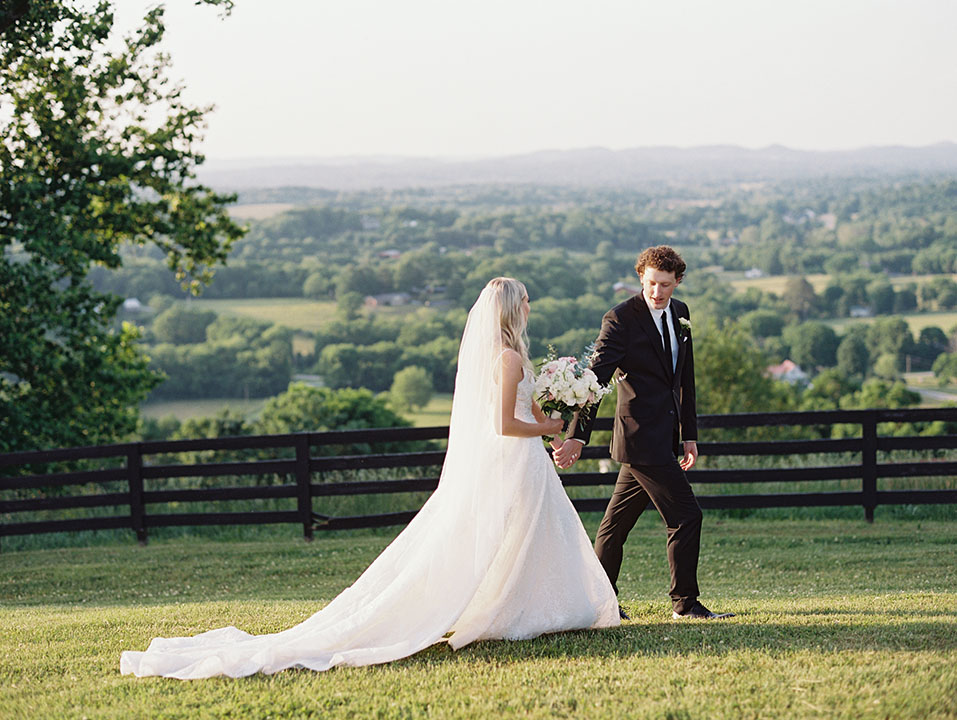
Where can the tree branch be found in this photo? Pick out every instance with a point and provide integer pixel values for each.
(12, 11)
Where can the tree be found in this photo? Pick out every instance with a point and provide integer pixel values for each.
(763, 323)
(573, 342)
(813, 344)
(826, 391)
(890, 335)
(877, 393)
(303, 408)
(905, 300)
(945, 367)
(887, 366)
(800, 296)
(853, 358)
(930, 344)
(180, 325)
(411, 387)
(97, 151)
(225, 423)
(318, 285)
(306, 408)
(362, 279)
(880, 294)
(439, 357)
(412, 271)
(349, 304)
(731, 374)
(226, 329)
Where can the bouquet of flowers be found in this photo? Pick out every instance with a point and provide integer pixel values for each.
(566, 385)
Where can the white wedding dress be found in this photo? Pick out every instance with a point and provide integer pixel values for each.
(498, 551)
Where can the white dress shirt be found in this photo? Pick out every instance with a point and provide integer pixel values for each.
(656, 315)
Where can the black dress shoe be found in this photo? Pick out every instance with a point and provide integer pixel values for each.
(699, 612)
(622, 614)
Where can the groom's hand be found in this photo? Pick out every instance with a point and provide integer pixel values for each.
(567, 453)
(691, 455)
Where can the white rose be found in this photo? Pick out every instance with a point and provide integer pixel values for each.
(581, 389)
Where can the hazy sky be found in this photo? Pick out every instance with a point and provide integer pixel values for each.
(495, 77)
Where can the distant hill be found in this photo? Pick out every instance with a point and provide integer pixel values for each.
(588, 167)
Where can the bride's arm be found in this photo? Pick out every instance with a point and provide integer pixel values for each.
(512, 372)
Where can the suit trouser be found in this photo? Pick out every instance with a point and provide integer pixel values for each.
(668, 488)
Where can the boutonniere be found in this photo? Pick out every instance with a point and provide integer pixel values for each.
(685, 324)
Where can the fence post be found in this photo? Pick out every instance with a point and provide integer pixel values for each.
(869, 465)
(134, 473)
(303, 485)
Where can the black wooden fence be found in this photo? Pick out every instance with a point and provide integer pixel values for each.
(135, 473)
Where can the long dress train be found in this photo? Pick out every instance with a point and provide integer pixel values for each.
(499, 554)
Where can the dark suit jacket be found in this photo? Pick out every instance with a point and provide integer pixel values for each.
(656, 406)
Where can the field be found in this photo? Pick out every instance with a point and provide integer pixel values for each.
(917, 321)
(295, 313)
(186, 409)
(776, 283)
(258, 211)
(772, 283)
(835, 619)
(435, 414)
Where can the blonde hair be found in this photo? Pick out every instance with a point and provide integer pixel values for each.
(510, 294)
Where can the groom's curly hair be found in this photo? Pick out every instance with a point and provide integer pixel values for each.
(663, 258)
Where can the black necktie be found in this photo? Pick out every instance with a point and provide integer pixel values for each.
(666, 336)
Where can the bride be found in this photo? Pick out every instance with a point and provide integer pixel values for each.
(498, 550)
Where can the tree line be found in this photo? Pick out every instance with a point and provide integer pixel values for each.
(97, 204)
(866, 233)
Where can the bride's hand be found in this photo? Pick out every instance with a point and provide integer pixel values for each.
(553, 426)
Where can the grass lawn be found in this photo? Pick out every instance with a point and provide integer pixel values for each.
(834, 619)
(773, 283)
(295, 313)
(258, 211)
(819, 281)
(185, 409)
(435, 413)
(916, 320)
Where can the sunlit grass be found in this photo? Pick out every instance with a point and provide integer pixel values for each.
(206, 407)
(916, 321)
(819, 281)
(258, 211)
(435, 414)
(834, 619)
(295, 313)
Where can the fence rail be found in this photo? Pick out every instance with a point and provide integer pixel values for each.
(137, 472)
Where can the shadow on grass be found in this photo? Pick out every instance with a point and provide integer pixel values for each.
(701, 638)
(667, 640)
(877, 613)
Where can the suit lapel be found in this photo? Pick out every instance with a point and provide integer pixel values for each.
(682, 340)
(647, 323)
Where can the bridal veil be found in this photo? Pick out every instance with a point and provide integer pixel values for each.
(414, 593)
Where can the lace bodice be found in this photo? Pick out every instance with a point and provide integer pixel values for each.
(524, 397)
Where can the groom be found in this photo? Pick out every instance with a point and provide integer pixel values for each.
(648, 340)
